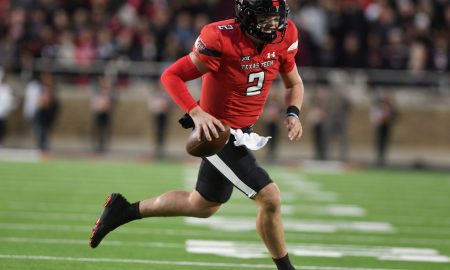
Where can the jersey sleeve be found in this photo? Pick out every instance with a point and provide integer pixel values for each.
(288, 60)
(208, 47)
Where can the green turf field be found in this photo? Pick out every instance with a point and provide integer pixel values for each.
(335, 220)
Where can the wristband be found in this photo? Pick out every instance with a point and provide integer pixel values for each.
(293, 111)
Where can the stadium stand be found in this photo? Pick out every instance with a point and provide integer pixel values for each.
(368, 44)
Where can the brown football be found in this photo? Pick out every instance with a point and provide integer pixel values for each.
(205, 148)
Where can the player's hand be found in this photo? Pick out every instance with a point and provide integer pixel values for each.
(294, 127)
(205, 123)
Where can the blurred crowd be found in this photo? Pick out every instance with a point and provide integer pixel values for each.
(377, 34)
(382, 34)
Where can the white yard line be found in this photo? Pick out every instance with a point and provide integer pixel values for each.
(240, 224)
(28, 215)
(323, 167)
(403, 219)
(334, 210)
(302, 187)
(84, 242)
(165, 262)
(55, 211)
(62, 216)
(54, 206)
(84, 229)
(247, 250)
(366, 239)
(354, 238)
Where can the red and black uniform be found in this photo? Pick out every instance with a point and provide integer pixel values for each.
(234, 91)
(237, 87)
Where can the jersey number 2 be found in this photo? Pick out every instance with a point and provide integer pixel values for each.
(255, 89)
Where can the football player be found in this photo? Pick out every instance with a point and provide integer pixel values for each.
(238, 59)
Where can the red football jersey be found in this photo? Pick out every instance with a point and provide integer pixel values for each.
(237, 86)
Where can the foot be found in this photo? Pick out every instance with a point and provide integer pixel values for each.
(111, 218)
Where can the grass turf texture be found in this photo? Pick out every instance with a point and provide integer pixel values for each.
(48, 209)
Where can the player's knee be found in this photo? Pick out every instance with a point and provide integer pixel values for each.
(269, 199)
(271, 204)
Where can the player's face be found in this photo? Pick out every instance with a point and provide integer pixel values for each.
(268, 24)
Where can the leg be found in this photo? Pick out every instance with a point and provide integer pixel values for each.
(239, 166)
(45, 123)
(384, 140)
(270, 227)
(2, 130)
(319, 142)
(119, 211)
(43, 139)
(107, 131)
(94, 133)
(103, 131)
(381, 144)
(178, 203)
(160, 120)
(210, 192)
(102, 138)
(268, 221)
(343, 142)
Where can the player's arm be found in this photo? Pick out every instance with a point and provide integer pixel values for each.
(204, 122)
(293, 101)
(174, 80)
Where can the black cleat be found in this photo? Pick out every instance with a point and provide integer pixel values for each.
(111, 218)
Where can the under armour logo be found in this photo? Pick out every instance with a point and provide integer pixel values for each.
(271, 55)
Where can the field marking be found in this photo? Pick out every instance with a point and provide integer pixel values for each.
(240, 224)
(60, 241)
(308, 189)
(87, 229)
(288, 197)
(131, 261)
(49, 215)
(403, 223)
(300, 182)
(248, 250)
(379, 238)
(323, 167)
(414, 220)
(326, 210)
(53, 206)
(177, 263)
(339, 210)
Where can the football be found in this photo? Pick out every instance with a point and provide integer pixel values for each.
(205, 148)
